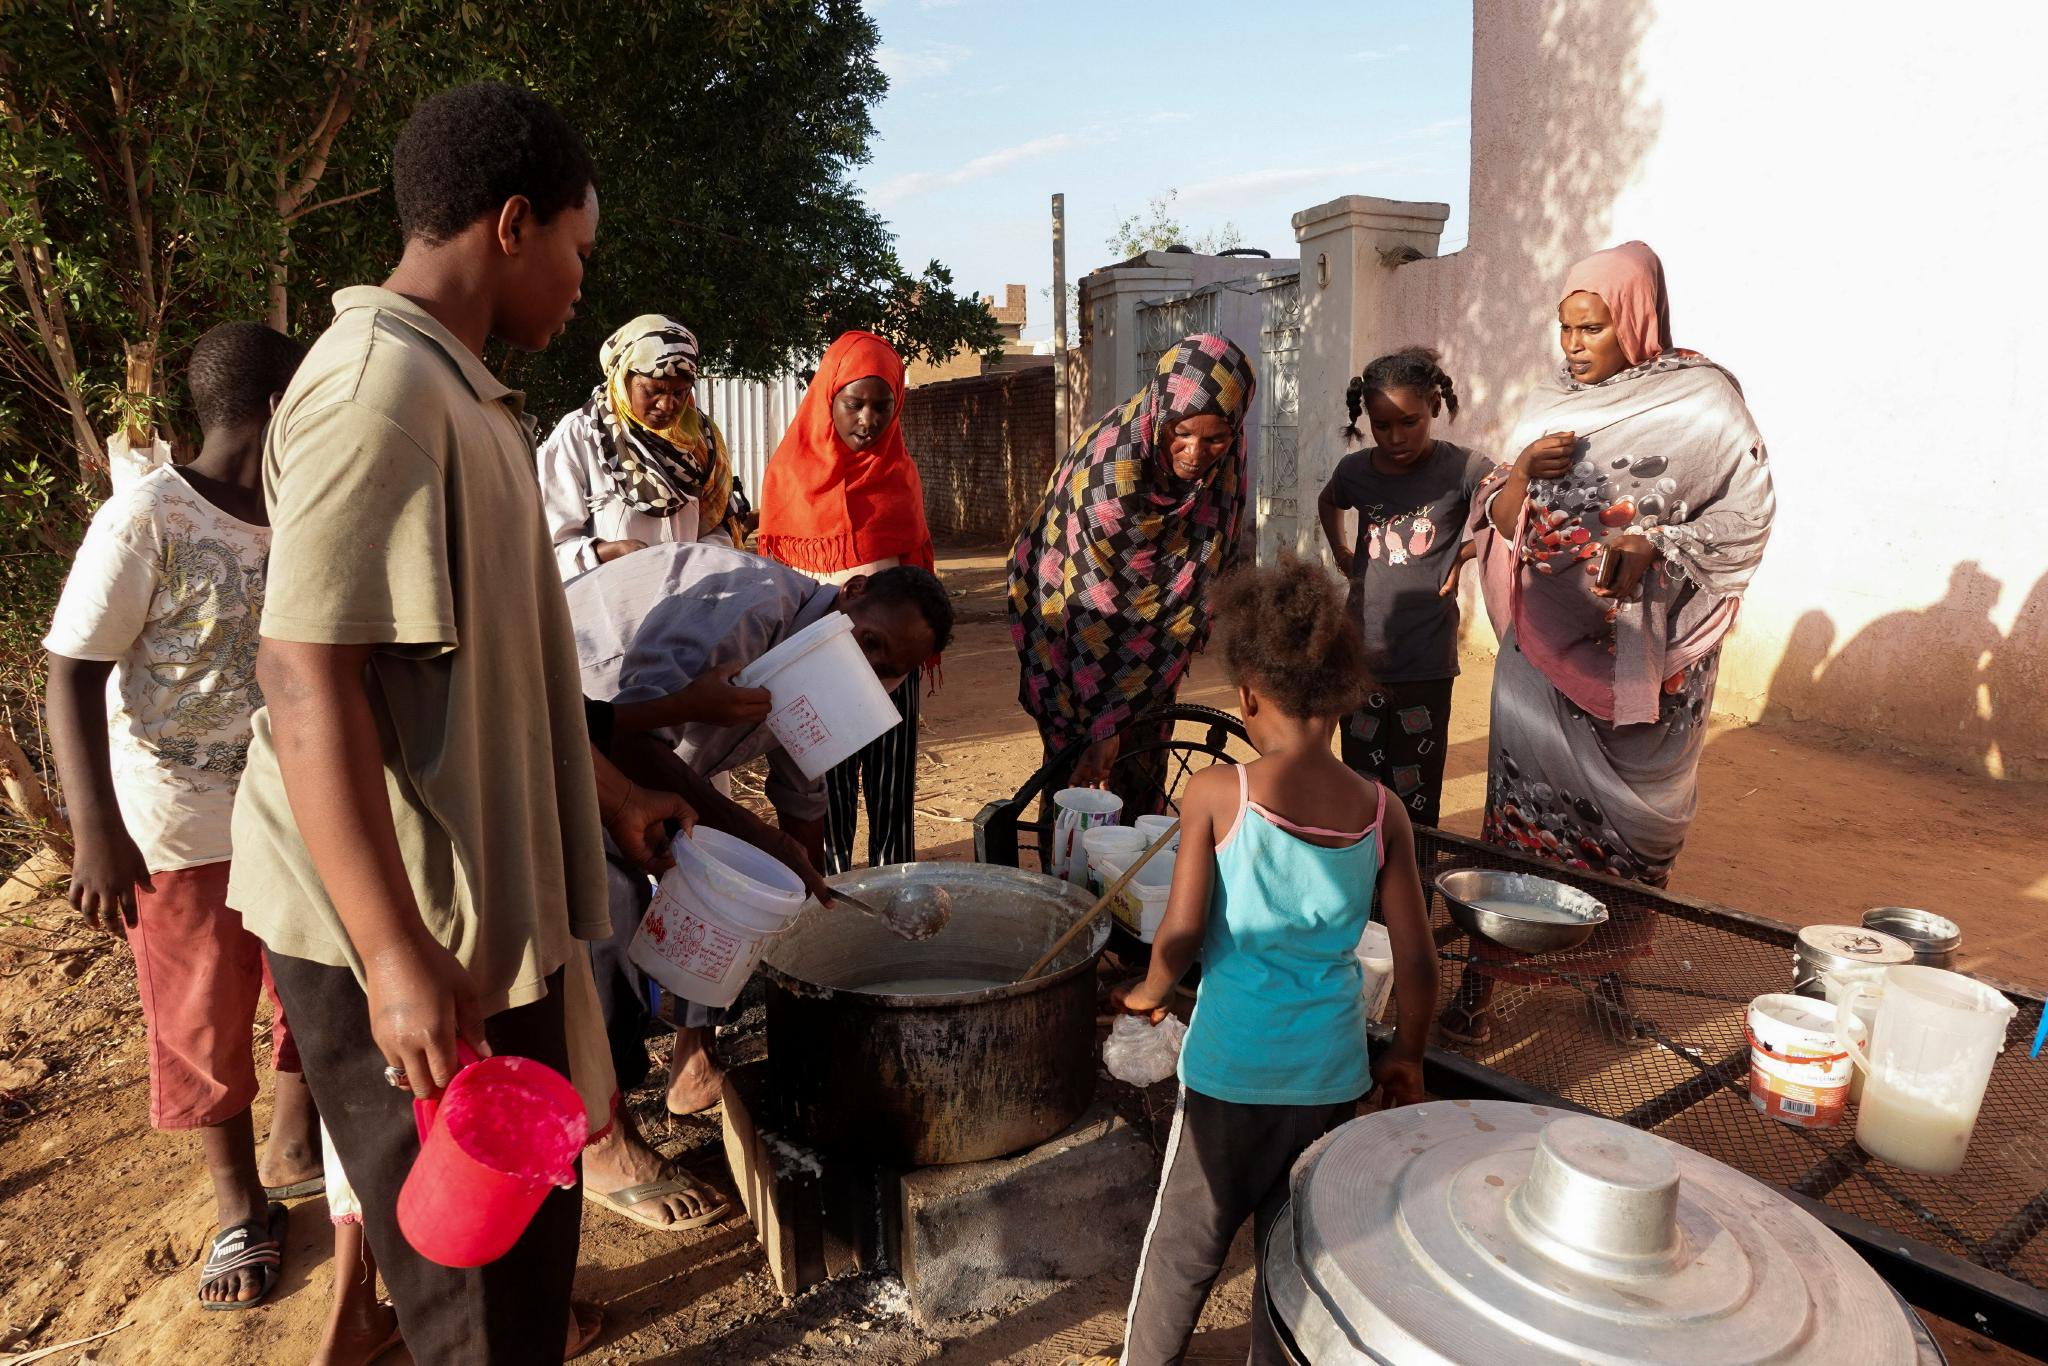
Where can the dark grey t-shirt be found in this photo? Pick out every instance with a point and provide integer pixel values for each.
(1409, 529)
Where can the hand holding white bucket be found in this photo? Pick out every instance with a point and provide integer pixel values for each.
(701, 936)
(825, 703)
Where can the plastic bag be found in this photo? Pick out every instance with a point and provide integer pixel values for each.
(1140, 1053)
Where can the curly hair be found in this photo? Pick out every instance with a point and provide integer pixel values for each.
(1288, 634)
(466, 151)
(233, 371)
(1412, 367)
(920, 588)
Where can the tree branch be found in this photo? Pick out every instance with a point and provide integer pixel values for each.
(297, 214)
(341, 103)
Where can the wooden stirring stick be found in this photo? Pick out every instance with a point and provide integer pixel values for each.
(1085, 921)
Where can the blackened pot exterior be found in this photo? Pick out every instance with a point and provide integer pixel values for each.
(930, 1080)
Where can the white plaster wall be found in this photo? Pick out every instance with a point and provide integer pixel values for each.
(1849, 203)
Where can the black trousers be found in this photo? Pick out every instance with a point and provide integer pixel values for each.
(1398, 739)
(1225, 1163)
(887, 768)
(515, 1310)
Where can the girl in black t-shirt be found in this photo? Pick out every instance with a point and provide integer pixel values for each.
(1413, 495)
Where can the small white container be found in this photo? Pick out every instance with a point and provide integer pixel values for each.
(1376, 955)
(703, 932)
(1798, 1068)
(1141, 905)
(825, 701)
(1079, 809)
(1105, 842)
(1152, 827)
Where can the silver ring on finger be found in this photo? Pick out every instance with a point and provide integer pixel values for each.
(395, 1077)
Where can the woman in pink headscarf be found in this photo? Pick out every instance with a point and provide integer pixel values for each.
(1619, 545)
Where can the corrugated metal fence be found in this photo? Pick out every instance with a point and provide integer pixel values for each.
(753, 414)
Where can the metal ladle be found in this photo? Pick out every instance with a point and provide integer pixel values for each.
(917, 910)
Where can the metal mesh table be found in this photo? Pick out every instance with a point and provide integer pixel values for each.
(1684, 972)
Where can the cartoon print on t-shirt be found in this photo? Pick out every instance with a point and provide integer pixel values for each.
(1401, 544)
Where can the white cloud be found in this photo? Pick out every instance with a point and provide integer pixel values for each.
(902, 65)
(1276, 180)
(913, 183)
(1376, 54)
(1439, 128)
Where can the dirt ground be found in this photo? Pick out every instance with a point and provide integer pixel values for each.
(103, 1222)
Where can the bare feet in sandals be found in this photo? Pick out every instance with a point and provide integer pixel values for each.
(625, 1176)
(695, 1082)
(586, 1323)
(360, 1328)
(289, 1163)
(243, 1262)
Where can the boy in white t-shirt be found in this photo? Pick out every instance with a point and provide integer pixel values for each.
(164, 598)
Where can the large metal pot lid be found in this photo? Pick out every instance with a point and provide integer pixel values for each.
(1486, 1231)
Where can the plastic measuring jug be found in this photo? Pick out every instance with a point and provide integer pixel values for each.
(1932, 1046)
(503, 1133)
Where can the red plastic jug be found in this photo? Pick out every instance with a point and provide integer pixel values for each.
(503, 1132)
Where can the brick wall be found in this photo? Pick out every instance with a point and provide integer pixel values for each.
(984, 448)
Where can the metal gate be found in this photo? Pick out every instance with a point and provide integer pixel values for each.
(1277, 492)
(1163, 324)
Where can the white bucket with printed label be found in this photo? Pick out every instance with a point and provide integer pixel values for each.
(702, 934)
(1141, 906)
(1076, 811)
(1798, 1067)
(825, 703)
(1106, 842)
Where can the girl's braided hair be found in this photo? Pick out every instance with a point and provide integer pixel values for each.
(1287, 633)
(1412, 367)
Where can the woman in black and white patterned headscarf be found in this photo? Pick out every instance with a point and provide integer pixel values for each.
(639, 464)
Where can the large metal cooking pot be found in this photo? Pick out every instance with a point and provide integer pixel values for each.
(1485, 1231)
(926, 1079)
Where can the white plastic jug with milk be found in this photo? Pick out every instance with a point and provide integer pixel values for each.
(1932, 1046)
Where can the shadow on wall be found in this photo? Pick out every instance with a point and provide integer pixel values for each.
(1942, 678)
(1561, 124)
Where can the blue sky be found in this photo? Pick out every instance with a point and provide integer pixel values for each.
(1249, 111)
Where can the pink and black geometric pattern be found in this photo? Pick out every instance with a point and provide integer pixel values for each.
(1107, 582)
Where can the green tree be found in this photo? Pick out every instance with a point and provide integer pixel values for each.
(166, 165)
(1156, 229)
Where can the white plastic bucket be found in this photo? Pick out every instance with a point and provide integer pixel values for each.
(1079, 809)
(1141, 905)
(1376, 955)
(1152, 827)
(702, 934)
(825, 700)
(1119, 842)
(1798, 1068)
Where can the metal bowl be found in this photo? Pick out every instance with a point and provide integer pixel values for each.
(1484, 904)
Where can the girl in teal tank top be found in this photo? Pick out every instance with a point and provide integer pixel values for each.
(1279, 860)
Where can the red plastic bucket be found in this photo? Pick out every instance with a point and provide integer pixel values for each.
(504, 1132)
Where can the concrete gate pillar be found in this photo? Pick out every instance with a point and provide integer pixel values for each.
(1113, 298)
(1349, 248)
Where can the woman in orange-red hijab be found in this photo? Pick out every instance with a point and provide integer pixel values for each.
(841, 497)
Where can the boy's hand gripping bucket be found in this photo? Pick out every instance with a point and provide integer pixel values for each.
(825, 702)
(505, 1132)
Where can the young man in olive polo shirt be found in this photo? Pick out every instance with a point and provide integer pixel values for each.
(417, 840)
